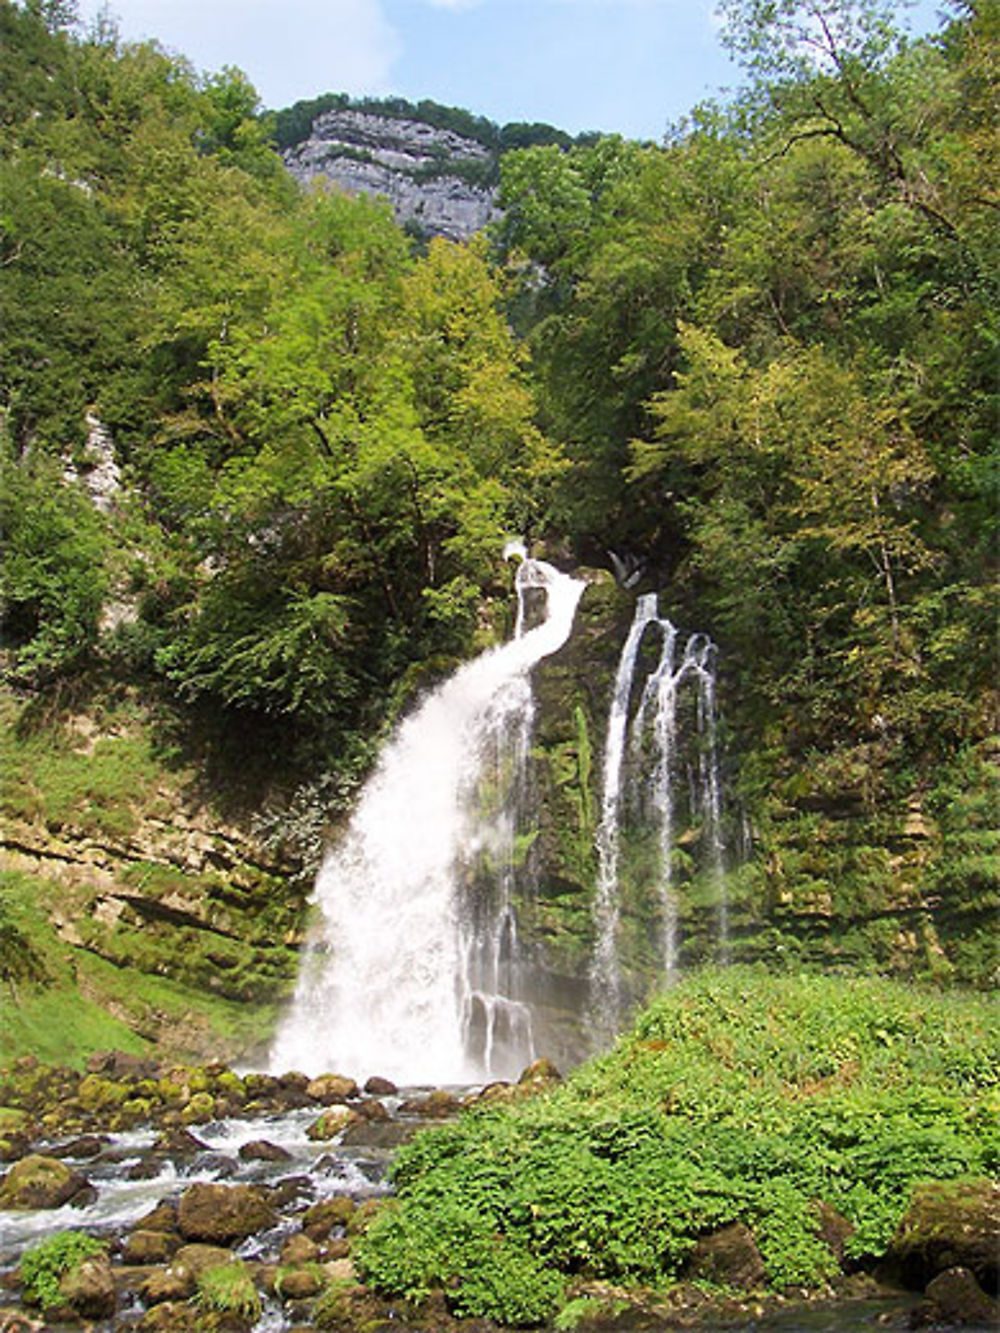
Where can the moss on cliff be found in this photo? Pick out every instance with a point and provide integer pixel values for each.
(133, 911)
(855, 856)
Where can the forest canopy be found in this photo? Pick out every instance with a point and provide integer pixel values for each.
(759, 359)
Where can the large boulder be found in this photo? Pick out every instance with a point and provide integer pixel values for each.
(89, 1288)
(330, 1089)
(949, 1224)
(221, 1214)
(43, 1182)
(955, 1297)
(727, 1258)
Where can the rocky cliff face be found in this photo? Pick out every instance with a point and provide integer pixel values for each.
(126, 895)
(435, 179)
(819, 873)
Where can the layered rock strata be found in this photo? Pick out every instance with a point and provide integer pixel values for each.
(433, 178)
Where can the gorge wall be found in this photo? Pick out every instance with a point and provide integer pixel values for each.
(824, 870)
(181, 927)
(436, 180)
(132, 910)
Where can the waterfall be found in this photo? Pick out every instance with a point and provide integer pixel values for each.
(650, 740)
(605, 970)
(410, 969)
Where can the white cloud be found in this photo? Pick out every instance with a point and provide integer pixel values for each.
(282, 45)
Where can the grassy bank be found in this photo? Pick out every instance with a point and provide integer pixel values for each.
(61, 1003)
(133, 912)
(798, 1106)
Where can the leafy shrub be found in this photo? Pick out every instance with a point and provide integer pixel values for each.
(737, 1097)
(408, 1252)
(44, 1265)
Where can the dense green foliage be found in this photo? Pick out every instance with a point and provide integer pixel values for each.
(294, 123)
(757, 361)
(770, 348)
(324, 438)
(736, 1097)
(44, 1264)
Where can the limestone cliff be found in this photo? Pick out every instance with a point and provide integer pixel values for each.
(436, 180)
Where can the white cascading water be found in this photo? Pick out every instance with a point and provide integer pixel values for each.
(404, 977)
(605, 970)
(652, 734)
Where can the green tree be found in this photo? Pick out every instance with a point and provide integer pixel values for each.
(53, 571)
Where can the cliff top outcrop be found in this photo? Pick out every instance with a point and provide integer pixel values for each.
(437, 166)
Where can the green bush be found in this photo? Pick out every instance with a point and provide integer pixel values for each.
(229, 1289)
(411, 1251)
(44, 1265)
(737, 1097)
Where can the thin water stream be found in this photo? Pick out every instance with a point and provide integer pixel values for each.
(641, 760)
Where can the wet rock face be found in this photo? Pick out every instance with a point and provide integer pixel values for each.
(407, 162)
(949, 1224)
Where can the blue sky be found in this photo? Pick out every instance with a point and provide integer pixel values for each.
(632, 66)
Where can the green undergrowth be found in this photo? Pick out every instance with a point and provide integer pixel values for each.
(739, 1096)
(60, 1003)
(44, 1265)
(57, 771)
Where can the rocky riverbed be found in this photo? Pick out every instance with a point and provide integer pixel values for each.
(172, 1199)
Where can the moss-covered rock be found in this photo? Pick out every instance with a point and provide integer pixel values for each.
(145, 1247)
(223, 1213)
(329, 1089)
(949, 1224)
(321, 1218)
(332, 1122)
(41, 1182)
(88, 1287)
(955, 1297)
(199, 1109)
(98, 1095)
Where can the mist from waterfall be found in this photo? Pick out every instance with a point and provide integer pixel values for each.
(641, 759)
(413, 968)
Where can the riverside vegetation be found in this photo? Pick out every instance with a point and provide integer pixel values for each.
(752, 1140)
(757, 362)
